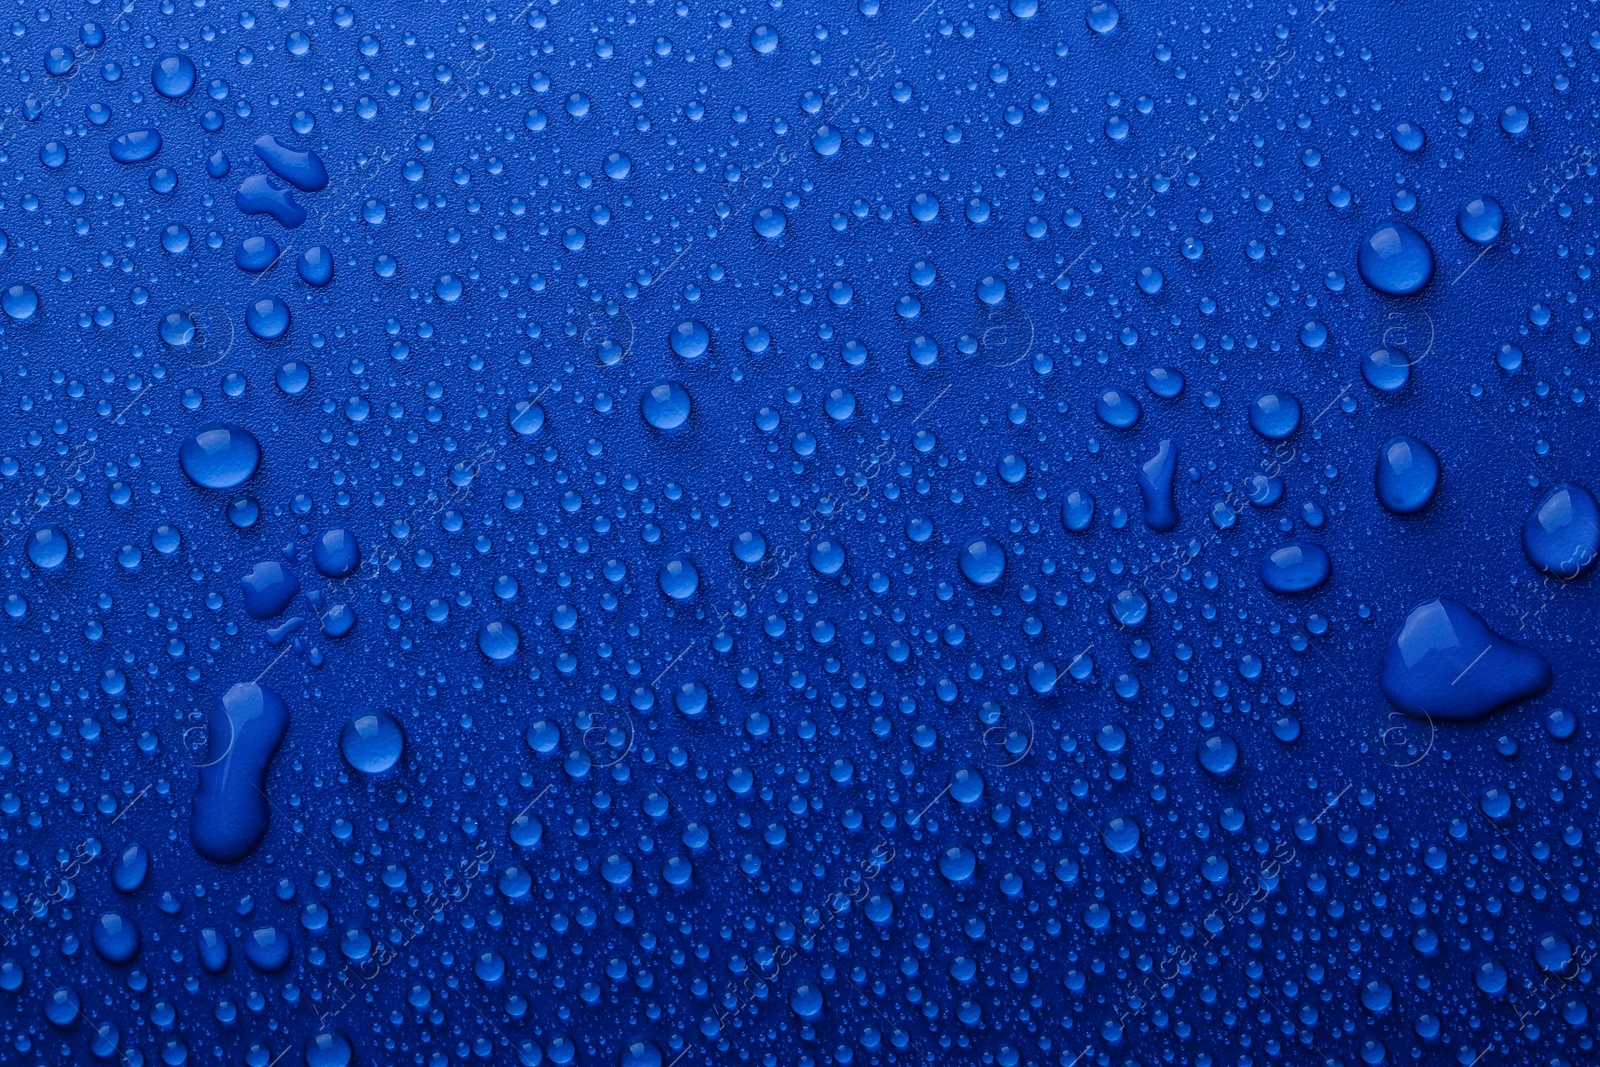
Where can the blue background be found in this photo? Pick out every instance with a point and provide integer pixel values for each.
(896, 815)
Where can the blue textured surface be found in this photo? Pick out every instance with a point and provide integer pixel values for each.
(852, 533)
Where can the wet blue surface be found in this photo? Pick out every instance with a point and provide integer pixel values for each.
(648, 533)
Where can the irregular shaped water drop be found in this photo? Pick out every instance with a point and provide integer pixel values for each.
(213, 950)
(129, 868)
(1077, 510)
(257, 195)
(1446, 663)
(315, 266)
(336, 553)
(268, 589)
(231, 814)
(1155, 487)
(303, 170)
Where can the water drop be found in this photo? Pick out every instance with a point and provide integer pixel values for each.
(1275, 415)
(1296, 567)
(1218, 754)
(230, 813)
(1155, 479)
(1445, 663)
(690, 339)
(1102, 17)
(315, 266)
(136, 146)
(372, 743)
(1407, 475)
(1077, 510)
(983, 562)
(665, 406)
(1121, 834)
(336, 553)
(256, 253)
(173, 76)
(1481, 219)
(498, 640)
(48, 547)
(303, 170)
(1409, 137)
(1561, 535)
(1395, 260)
(1118, 409)
(1386, 369)
(220, 457)
(19, 302)
(678, 578)
(267, 318)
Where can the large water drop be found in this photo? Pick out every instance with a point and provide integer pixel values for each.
(1446, 663)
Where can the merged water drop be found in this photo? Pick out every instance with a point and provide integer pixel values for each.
(231, 810)
(1445, 663)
